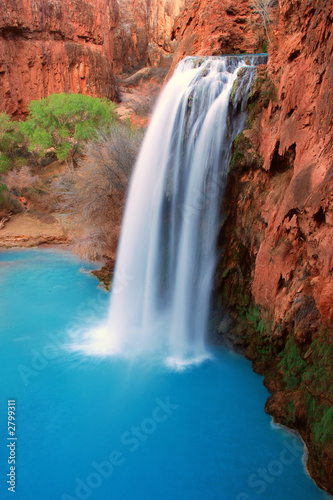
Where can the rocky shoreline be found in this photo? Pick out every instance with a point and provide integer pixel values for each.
(27, 230)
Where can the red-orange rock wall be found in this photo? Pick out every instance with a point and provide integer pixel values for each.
(143, 35)
(75, 46)
(299, 119)
(275, 275)
(214, 27)
(48, 46)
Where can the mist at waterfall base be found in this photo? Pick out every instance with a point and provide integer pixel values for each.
(166, 257)
(123, 429)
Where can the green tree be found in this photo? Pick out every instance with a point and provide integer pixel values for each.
(10, 137)
(64, 122)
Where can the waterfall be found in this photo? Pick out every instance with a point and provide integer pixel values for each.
(167, 252)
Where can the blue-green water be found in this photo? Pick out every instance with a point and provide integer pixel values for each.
(104, 428)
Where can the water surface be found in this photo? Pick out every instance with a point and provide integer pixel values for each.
(124, 429)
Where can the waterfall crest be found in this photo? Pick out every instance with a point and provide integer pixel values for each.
(166, 256)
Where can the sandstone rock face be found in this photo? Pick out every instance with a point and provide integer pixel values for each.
(296, 136)
(143, 34)
(214, 27)
(55, 46)
(76, 46)
(51, 46)
(276, 270)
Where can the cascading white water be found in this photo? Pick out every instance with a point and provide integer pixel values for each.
(166, 256)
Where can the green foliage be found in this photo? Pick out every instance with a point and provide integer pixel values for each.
(323, 429)
(65, 122)
(262, 91)
(226, 271)
(9, 133)
(3, 191)
(239, 146)
(236, 158)
(6, 202)
(240, 75)
(318, 374)
(265, 47)
(311, 406)
(10, 137)
(5, 121)
(292, 410)
(292, 363)
(268, 93)
(261, 347)
(311, 376)
(252, 316)
(4, 164)
(317, 381)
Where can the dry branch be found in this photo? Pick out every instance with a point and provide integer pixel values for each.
(4, 220)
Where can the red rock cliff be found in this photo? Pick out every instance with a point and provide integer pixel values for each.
(298, 124)
(51, 46)
(75, 46)
(144, 32)
(48, 46)
(214, 27)
(276, 272)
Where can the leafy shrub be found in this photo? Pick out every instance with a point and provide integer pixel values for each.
(292, 363)
(64, 122)
(10, 137)
(3, 193)
(4, 163)
(323, 429)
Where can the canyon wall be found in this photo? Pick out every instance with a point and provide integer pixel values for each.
(76, 46)
(276, 270)
(214, 27)
(143, 34)
(55, 46)
(296, 136)
(51, 46)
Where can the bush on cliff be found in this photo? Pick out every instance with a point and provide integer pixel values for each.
(10, 137)
(64, 122)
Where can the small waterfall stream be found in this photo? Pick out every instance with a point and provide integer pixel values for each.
(166, 256)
